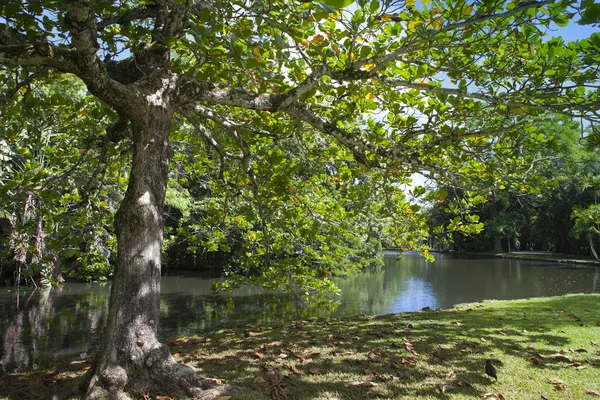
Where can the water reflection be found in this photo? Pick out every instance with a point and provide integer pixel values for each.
(38, 326)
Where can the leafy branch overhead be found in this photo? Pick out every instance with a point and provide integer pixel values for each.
(485, 62)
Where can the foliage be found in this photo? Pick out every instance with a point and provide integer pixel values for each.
(554, 176)
(61, 182)
(293, 140)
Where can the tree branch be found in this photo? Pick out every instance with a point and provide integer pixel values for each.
(129, 16)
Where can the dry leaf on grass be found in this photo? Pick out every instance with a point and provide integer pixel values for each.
(560, 357)
(375, 358)
(217, 381)
(464, 384)
(555, 381)
(492, 396)
(592, 392)
(408, 361)
(535, 360)
(446, 388)
(295, 370)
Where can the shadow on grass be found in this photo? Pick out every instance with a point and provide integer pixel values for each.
(433, 354)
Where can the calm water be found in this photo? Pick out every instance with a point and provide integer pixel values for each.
(37, 326)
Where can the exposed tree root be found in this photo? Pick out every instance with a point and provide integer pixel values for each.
(160, 375)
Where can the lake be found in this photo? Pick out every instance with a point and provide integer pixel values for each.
(38, 326)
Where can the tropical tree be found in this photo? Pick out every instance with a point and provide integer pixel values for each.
(399, 88)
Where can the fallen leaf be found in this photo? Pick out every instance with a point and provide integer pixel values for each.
(296, 370)
(451, 374)
(364, 383)
(592, 392)
(579, 368)
(560, 357)
(531, 347)
(464, 384)
(432, 373)
(446, 388)
(444, 347)
(544, 397)
(560, 387)
(535, 360)
(217, 381)
(375, 395)
(556, 381)
(375, 358)
(492, 396)
(408, 361)
(256, 354)
(581, 350)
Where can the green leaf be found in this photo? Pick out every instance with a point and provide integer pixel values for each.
(374, 6)
(337, 3)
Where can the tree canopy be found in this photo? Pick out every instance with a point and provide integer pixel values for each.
(366, 92)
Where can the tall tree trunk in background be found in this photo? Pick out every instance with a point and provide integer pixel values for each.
(498, 244)
(591, 242)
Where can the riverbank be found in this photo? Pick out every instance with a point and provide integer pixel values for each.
(538, 256)
(540, 347)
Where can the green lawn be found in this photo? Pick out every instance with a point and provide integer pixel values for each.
(542, 348)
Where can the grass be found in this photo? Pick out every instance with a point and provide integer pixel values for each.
(541, 347)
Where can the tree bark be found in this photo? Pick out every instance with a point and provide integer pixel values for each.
(498, 244)
(132, 358)
(591, 242)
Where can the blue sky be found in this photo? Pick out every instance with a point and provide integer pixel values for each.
(573, 32)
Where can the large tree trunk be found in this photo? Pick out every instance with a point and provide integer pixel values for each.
(132, 358)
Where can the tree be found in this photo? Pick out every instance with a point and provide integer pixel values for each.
(402, 89)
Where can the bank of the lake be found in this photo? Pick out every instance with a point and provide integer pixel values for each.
(544, 347)
(541, 256)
